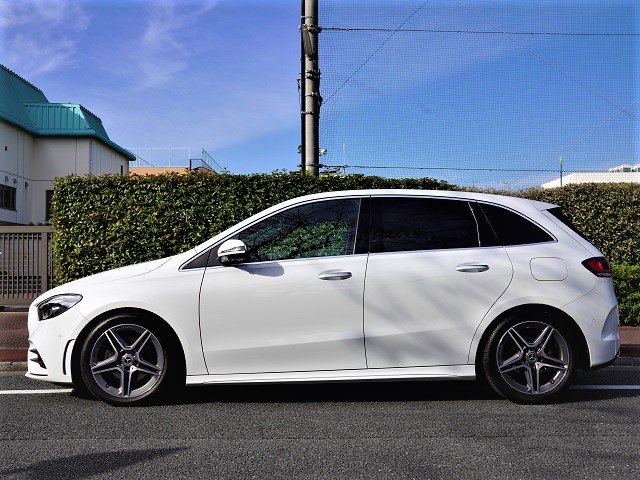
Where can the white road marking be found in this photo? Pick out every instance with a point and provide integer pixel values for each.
(605, 387)
(33, 392)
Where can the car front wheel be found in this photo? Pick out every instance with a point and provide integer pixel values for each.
(529, 359)
(127, 360)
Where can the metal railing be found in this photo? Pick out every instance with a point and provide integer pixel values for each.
(26, 263)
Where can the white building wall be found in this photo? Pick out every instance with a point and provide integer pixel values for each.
(104, 160)
(595, 177)
(16, 147)
(31, 164)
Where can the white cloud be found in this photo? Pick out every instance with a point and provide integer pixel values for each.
(162, 51)
(40, 36)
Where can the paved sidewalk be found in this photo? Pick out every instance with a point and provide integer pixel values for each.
(14, 341)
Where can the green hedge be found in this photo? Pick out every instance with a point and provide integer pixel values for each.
(111, 221)
(607, 214)
(626, 279)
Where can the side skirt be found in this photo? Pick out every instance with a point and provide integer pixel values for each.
(448, 372)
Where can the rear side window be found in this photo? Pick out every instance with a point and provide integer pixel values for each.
(557, 212)
(408, 224)
(512, 228)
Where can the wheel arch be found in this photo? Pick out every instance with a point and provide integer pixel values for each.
(76, 376)
(582, 349)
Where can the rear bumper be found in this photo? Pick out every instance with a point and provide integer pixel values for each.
(597, 316)
(605, 364)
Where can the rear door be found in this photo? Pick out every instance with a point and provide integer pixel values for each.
(429, 281)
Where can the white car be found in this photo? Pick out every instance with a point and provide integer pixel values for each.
(353, 285)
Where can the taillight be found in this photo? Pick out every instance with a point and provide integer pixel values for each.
(599, 266)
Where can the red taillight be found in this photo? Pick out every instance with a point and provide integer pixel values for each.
(599, 266)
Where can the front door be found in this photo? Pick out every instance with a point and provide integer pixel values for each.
(297, 303)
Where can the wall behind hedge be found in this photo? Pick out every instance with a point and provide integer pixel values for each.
(112, 221)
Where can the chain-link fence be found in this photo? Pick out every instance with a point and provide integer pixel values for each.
(491, 94)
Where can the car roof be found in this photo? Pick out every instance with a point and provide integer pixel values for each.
(506, 200)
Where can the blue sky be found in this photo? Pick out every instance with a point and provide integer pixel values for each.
(221, 74)
(214, 74)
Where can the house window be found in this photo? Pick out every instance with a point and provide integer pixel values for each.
(7, 197)
(47, 208)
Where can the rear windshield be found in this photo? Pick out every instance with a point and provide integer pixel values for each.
(557, 212)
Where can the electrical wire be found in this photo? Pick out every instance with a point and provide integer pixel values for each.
(477, 32)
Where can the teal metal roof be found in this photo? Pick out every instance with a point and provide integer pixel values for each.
(24, 105)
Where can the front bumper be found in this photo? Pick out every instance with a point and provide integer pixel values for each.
(51, 345)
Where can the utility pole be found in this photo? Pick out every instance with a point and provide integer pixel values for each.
(561, 171)
(310, 99)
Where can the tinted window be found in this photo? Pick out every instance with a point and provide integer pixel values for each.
(512, 228)
(557, 212)
(487, 236)
(318, 229)
(426, 224)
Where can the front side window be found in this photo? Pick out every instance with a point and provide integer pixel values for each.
(409, 224)
(319, 229)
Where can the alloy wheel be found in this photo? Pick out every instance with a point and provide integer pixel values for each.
(533, 358)
(127, 361)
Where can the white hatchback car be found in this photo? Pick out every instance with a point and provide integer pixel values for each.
(353, 285)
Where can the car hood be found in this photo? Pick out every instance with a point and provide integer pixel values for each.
(116, 274)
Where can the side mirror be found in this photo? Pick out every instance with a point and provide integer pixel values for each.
(232, 251)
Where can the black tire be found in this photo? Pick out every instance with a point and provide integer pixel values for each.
(530, 358)
(130, 360)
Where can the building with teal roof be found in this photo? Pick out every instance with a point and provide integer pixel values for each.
(40, 141)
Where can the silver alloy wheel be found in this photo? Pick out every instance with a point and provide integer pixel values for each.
(533, 358)
(127, 361)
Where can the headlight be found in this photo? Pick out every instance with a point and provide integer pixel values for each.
(54, 306)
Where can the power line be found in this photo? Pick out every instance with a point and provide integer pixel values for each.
(477, 32)
(458, 169)
(576, 140)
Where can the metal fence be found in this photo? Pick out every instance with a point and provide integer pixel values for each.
(26, 263)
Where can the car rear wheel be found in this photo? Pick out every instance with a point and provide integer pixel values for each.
(128, 360)
(529, 359)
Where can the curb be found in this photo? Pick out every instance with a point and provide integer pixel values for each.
(13, 366)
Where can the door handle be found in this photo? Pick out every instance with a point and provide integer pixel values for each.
(334, 275)
(472, 267)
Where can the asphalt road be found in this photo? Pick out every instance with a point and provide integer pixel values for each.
(375, 430)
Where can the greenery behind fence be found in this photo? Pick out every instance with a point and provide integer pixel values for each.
(112, 221)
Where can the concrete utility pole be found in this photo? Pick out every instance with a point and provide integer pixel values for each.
(310, 99)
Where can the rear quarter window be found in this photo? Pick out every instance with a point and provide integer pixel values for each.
(558, 214)
(512, 228)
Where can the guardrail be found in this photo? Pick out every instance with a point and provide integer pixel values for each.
(26, 263)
